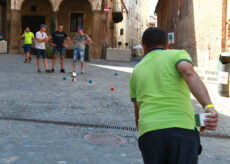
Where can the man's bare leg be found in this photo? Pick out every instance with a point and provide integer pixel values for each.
(62, 62)
(27, 55)
(46, 63)
(38, 64)
(54, 62)
(74, 66)
(82, 67)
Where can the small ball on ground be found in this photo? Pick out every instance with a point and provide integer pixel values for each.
(74, 74)
(90, 81)
(112, 89)
(73, 79)
(64, 78)
(115, 74)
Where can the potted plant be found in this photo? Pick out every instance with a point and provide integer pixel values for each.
(49, 48)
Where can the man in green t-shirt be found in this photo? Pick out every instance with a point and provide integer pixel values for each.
(28, 40)
(160, 88)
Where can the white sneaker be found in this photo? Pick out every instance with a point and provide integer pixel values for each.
(74, 74)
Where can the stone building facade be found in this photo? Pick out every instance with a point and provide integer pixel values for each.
(197, 27)
(226, 26)
(136, 20)
(129, 30)
(15, 15)
(148, 19)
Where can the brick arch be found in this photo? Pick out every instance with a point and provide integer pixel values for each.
(95, 4)
(20, 3)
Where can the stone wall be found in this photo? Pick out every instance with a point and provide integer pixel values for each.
(196, 26)
(178, 17)
(226, 25)
(208, 29)
(224, 20)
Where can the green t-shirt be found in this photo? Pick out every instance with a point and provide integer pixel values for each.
(28, 37)
(161, 93)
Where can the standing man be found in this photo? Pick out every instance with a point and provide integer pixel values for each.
(81, 41)
(160, 88)
(40, 45)
(28, 39)
(58, 38)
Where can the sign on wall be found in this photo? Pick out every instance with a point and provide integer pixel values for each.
(171, 38)
(223, 77)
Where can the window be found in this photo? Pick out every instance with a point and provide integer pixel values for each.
(121, 31)
(33, 8)
(76, 19)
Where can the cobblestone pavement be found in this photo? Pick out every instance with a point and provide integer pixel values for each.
(26, 94)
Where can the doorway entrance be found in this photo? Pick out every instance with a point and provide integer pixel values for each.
(33, 22)
(2, 19)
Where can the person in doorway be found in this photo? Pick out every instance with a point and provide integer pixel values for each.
(57, 41)
(81, 41)
(40, 46)
(160, 88)
(28, 40)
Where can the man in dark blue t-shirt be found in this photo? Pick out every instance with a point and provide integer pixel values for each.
(58, 38)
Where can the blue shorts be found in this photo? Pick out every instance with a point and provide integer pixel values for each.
(78, 52)
(60, 50)
(27, 48)
(41, 53)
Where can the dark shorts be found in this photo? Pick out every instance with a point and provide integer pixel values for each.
(60, 50)
(27, 48)
(41, 53)
(170, 146)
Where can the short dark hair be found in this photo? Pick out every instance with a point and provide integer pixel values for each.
(153, 37)
(60, 25)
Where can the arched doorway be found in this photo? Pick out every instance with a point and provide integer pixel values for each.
(34, 13)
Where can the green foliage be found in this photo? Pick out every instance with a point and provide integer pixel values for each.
(52, 24)
(49, 49)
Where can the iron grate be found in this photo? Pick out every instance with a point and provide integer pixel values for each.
(101, 126)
